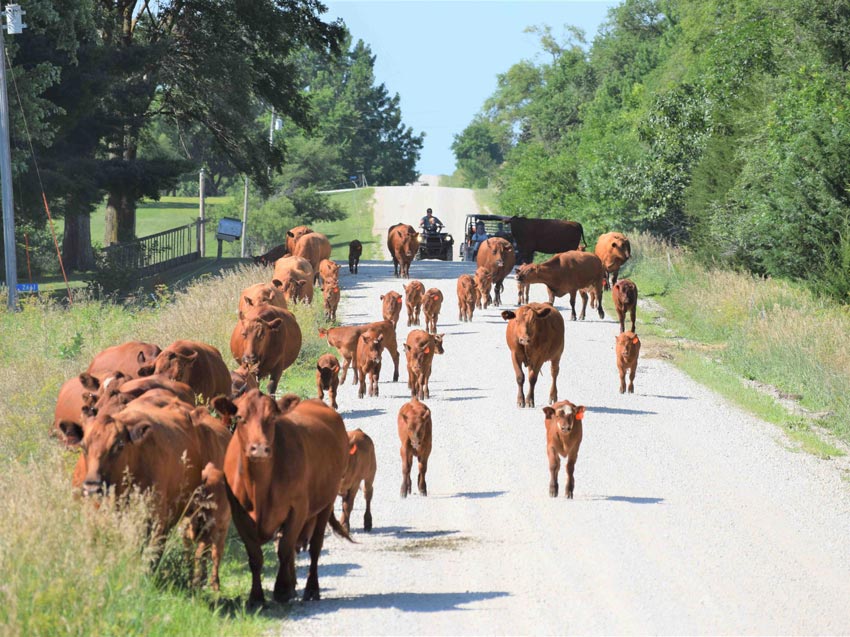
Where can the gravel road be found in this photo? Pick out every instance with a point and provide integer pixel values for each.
(690, 516)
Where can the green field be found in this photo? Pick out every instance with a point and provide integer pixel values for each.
(357, 225)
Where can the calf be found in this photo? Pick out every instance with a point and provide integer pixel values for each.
(414, 432)
(69, 405)
(293, 235)
(355, 250)
(624, 293)
(567, 273)
(413, 292)
(483, 283)
(261, 294)
(242, 379)
(268, 338)
(466, 297)
(563, 438)
(197, 364)
(431, 305)
(522, 288)
(535, 334)
(627, 346)
(283, 473)
(327, 377)
(328, 269)
(330, 293)
(345, 339)
(420, 349)
(271, 256)
(391, 307)
(362, 466)
(370, 348)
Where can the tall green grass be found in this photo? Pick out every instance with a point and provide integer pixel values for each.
(64, 568)
(358, 223)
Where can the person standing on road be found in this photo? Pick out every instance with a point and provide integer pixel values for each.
(429, 222)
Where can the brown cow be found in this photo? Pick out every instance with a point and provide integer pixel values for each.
(370, 348)
(496, 256)
(483, 283)
(567, 273)
(627, 346)
(114, 392)
(209, 520)
(535, 334)
(293, 276)
(414, 432)
(362, 467)
(413, 292)
(327, 377)
(268, 337)
(69, 405)
(613, 249)
(545, 235)
(466, 297)
(163, 447)
(420, 349)
(294, 235)
(403, 245)
(330, 294)
(126, 358)
(242, 379)
(431, 306)
(329, 270)
(271, 256)
(522, 289)
(261, 294)
(355, 250)
(391, 306)
(563, 438)
(345, 339)
(283, 474)
(314, 247)
(197, 364)
(624, 293)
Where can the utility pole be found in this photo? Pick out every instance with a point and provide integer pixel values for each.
(244, 217)
(14, 24)
(202, 213)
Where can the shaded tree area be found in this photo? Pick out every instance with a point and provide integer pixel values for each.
(722, 125)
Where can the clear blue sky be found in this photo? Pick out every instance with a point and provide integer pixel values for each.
(442, 57)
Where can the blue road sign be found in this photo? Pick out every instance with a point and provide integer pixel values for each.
(27, 287)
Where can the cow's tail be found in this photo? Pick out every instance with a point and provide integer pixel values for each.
(583, 240)
(339, 529)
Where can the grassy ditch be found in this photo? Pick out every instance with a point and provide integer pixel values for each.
(357, 224)
(760, 342)
(64, 568)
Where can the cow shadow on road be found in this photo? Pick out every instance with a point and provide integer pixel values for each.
(628, 499)
(406, 532)
(362, 413)
(407, 602)
(617, 410)
(478, 495)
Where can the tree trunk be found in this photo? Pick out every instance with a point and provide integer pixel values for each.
(77, 252)
(120, 218)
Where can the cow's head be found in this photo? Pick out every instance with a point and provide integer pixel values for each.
(501, 249)
(255, 331)
(243, 378)
(102, 397)
(327, 370)
(414, 291)
(420, 348)
(174, 365)
(416, 417)
(527, 321)
(392, 301)
(293, 289)
(627, 344)
(408, 241)
(254, 416)
(524, 272)
(371, 346)
(564, 415)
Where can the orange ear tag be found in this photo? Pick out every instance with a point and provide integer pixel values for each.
(336, 290)
(353, 450)
(635, 340)
(427, 350)
(580, 416)
(434, 297)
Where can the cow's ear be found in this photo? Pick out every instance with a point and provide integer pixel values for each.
(147, 370)
(140, 358)
(382, 296)
(224, 406)
(248, 302)
(614, 244)
(89, 411)
(323, 332)
(139, 432)
(508, 315)
(89, 382)
(72, 433)
(274, 324)
(439, 338)
(277, 283)
(318, 367)
(578, 414)
(407, 347)
(289, 234)
(549, 412)
(544, 312)
(241, 315)
(635, 340)
(190, 358)
(288, 402)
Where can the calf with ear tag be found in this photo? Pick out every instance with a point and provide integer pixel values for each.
(564, 432)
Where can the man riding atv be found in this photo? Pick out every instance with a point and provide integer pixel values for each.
(429, 223)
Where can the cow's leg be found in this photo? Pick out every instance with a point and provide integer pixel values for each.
(571, 481)
(552, 299)
(632, 311)
(532, 381)
(274, 379)
(361, 391)
(347, 506)
(423, 469)
(622, 370)
(583, 304)
(311, 590)
(284, 585)
(520, 381)
(497, 293)
(573, 305)
(621, 315)
(217, 550)
(406, 464)
(332, 394)
(253, 547)
(615, 274)
(409, 314)
(367, 495)
(554, 466)
(632, 371)
(395, 267)
(426, 376)
(555, 364)
(599, 308)
(320, 389)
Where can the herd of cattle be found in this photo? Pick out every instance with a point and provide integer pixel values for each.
(211, 447)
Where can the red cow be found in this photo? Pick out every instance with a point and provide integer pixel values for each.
(327, 377)
(466, 297)
(197, 364)
(403, 245)
(370, 347)
(261, 294)
(413, 293)
(414, 432)
(568, 273)
(345, 339)
(627, 346)
(496, 257)
(613, 249)
(330, 294)
(563, 438)
(362, 467)
(294, 277)
(624, 293)
(535, 334)
(283, 474)
(242, 379)
(483, 282)
(391, 307)
(420, 349)
(268, 338)
(294, 235)
(126, 358)
(328, 270)
(431, 305)
(314, 247)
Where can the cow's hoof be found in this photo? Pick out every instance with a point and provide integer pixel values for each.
(569, 495)
(283, 596)
(553, 491)
(573, 317)
(622, 391)
(367, 522)
(631, 390)
(312, 594)
(403, 491)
